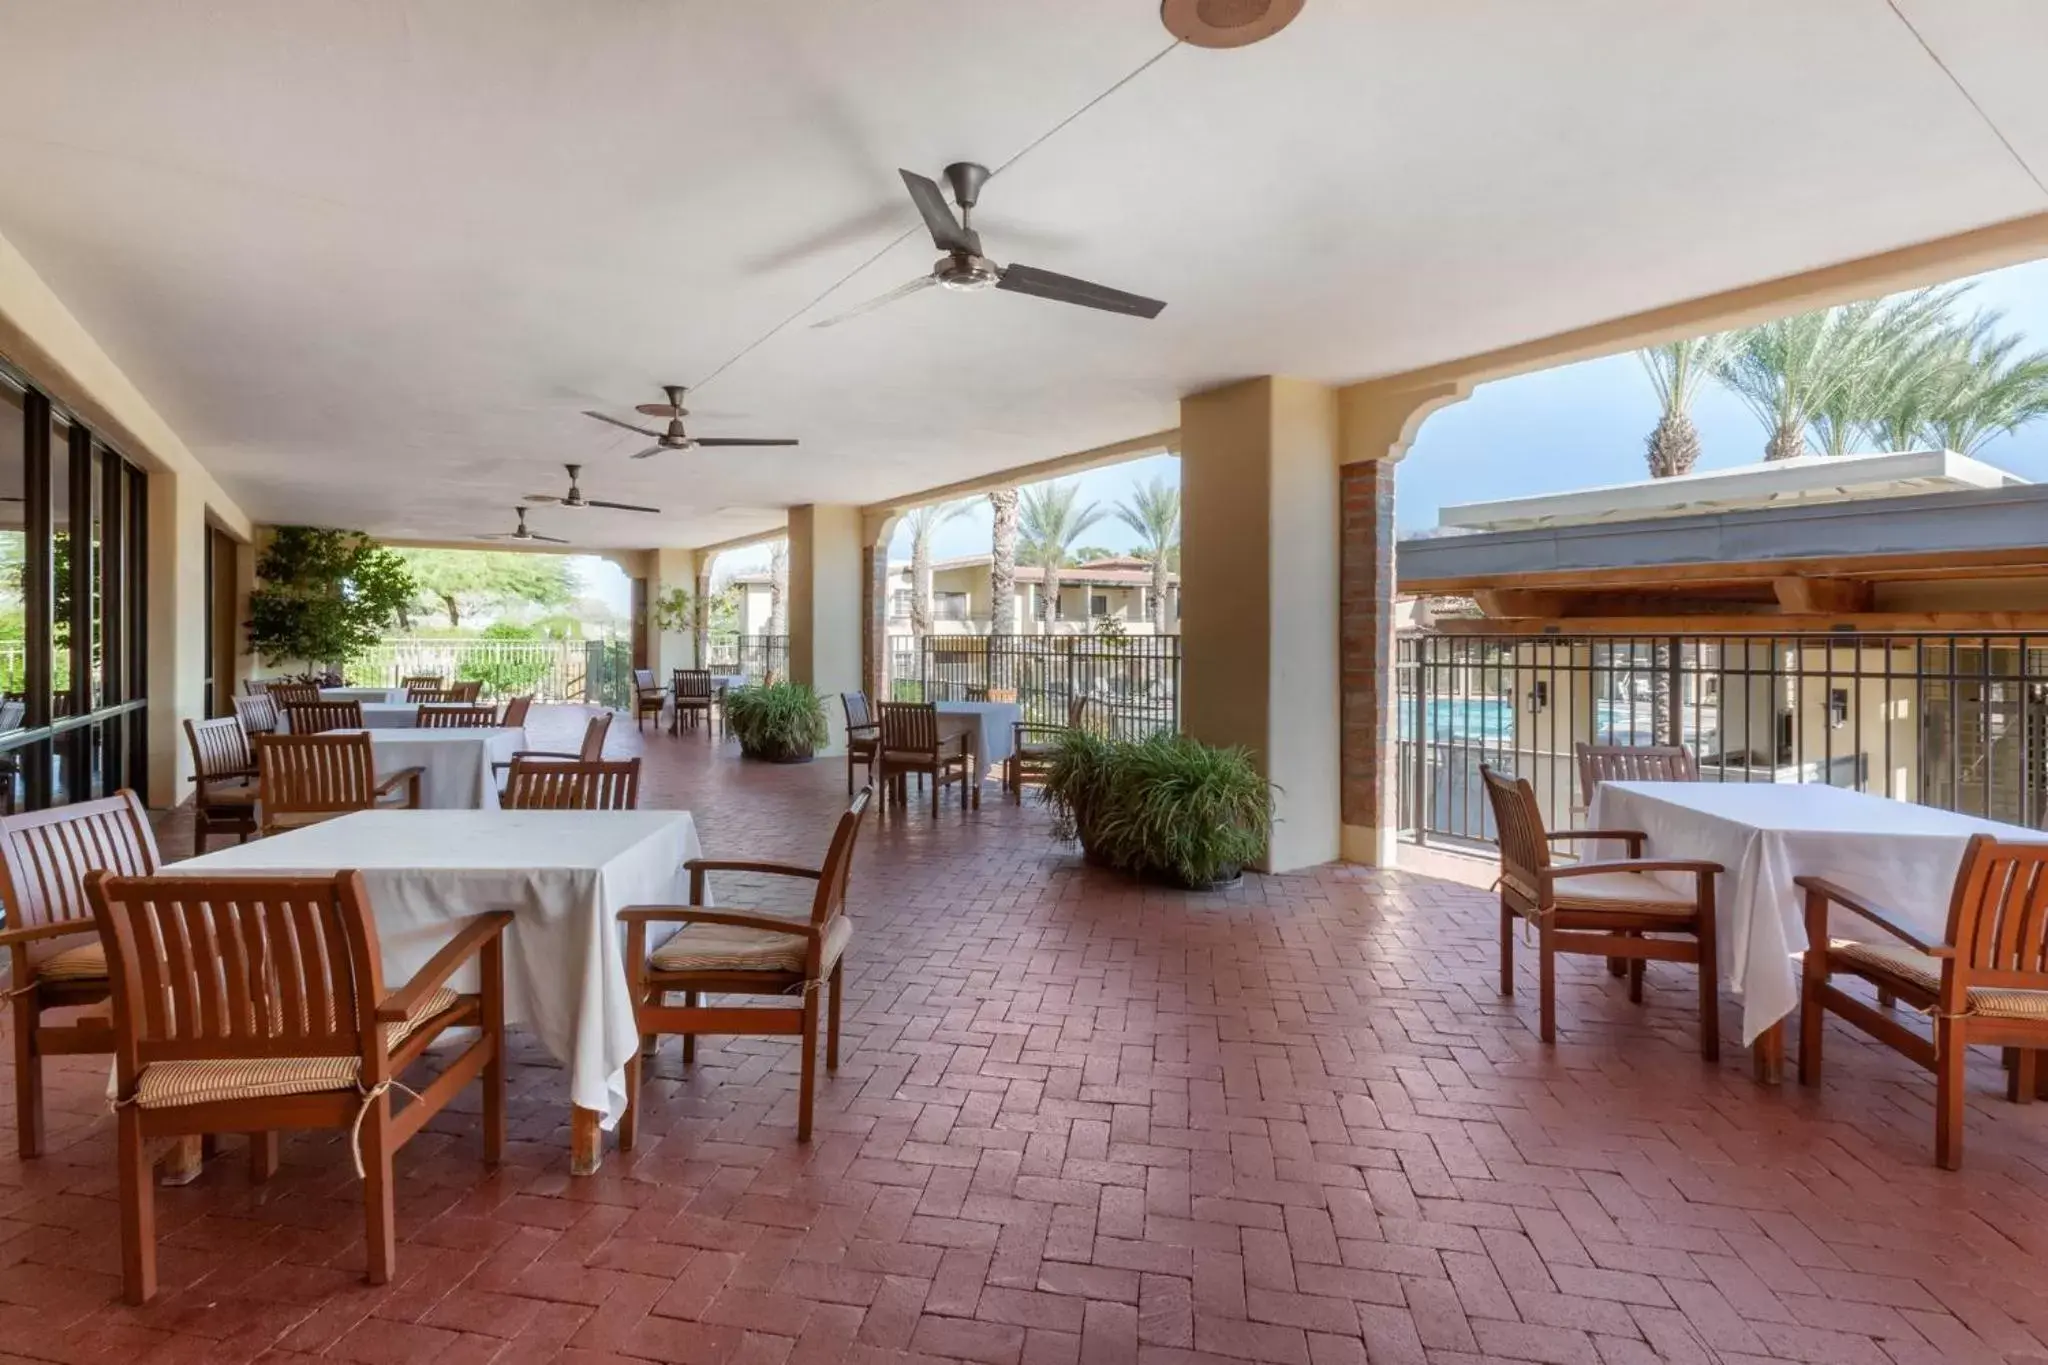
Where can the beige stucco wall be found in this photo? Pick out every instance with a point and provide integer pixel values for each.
(825, 605)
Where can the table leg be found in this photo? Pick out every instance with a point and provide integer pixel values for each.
(1767, 1058)
(974, 764)
(586, 1141)
(181, 1162)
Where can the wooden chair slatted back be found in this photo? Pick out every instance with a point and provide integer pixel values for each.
(593, 738)
(429, 694)
(288, 693)
(239, 968)
(910, 727)
(257, 712)
(45, 856)
(468, 691)
(256, 687)
(693, 684)
(856, 706)
(1518, 820)
(1998, 917)
(412, 680)
(830, 899)
(220, 747)
(458, 717)
(1633, 763)
(515, 712)
(318, 717)
(313, 773)
(977, 692)
(643, 678)
(556, 785)
(12, 714)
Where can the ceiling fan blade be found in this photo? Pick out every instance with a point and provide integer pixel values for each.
(542, 497)
(495, 535)
(947, 234)
(651, 450)
(619, 506)
(552, 540)
(1044, 284)
(740, 441)
(901, 291)
(617, 423)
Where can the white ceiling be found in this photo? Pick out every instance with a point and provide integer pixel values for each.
(371, 258)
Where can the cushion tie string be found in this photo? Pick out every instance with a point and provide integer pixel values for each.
(370, 1097)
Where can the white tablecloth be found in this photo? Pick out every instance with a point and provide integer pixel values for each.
(1902, 856)
(457, 762)
(991, 721)
(564, 875)
(721, 681)
(364, 694)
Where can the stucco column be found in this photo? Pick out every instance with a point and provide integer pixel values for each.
(824, 605)
(1376, 424)
(1259, 556)
(876, 533)
(176, 615)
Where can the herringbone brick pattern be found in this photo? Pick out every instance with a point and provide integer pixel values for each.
(1080, 1120)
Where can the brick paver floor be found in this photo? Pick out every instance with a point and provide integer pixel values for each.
(1083, 1120)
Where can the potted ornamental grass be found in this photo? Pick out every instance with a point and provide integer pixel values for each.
(777, 722)
(1168, 809)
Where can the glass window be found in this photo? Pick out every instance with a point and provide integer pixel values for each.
(13, 616)
(951, 606)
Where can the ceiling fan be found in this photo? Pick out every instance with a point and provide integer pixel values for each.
(521, 533)
(674, 437)
(575, 498)
(963, 267)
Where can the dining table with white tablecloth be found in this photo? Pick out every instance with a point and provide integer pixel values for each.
(363, 694)
(988, 725)
(1764, 834)
(383, 715)
(457, 763)
(564, 875)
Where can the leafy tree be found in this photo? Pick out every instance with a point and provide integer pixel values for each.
(464, 582)
(1002, 564)
(1982, 388)
(324, 597)
(778, 588)
(1051, 520)
(922, 522)
(507, 672)
(1153, 511)
(1676, 370)
(1088, 554)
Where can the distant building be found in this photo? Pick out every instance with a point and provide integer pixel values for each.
(1119, 589)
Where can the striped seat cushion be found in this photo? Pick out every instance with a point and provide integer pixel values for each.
(735, 948)
(165, 1085)
(230, 791)
(86, 962)
(1630, 893)
(1913, 968)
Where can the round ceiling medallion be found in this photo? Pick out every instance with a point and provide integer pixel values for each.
(1226, 23)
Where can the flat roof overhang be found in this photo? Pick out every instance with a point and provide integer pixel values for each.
(1843, 566)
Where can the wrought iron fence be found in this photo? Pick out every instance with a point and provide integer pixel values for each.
(1956, 721)
(551, 670)
(759, 657)
(1133, 681)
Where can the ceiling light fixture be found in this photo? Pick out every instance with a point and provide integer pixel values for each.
(1226, 23)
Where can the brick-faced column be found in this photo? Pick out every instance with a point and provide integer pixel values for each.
(874, 636)
(1368, 790)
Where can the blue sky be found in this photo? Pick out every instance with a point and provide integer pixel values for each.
(1579, 426)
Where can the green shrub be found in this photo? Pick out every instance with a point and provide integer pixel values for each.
(778, 721)
(1166, 806)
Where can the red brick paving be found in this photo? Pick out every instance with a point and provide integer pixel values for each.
(1080, 1120)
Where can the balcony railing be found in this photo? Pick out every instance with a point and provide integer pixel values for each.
(759, 657)
(591, 671)
(1134, 682)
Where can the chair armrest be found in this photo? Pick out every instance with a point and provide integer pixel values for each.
(391, 783)
(396, 1007)
(1634, 865)
(1631, 834)
(871, 728)
(34, 932)
(1882, 918)
(227, 776)
(697, 914)
(731, 865)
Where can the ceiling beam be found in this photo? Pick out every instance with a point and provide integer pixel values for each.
(1823, 596)
(1758, 623)
(1997, 562)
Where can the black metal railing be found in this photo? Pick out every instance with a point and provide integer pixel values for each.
(1133, 682)
(760, 657)
(1956, 721)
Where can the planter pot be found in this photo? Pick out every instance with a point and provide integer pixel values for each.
(776, 753)
(1160, 876)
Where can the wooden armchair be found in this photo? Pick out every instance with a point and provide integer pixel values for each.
(1608, 909)
(554, 785)
(591, 752)
(1032, 745)
(1985, 982)
(430, 696)
(256, 687)
(1632, 763)
(694, 696)
(252, 1005)
(734, 952)
(257, 712)
(294, 693)
(515, 712)
(319, 717)
(224, 770)
(456, 717)
(469, 690)
(56, 961)
(911, 744)
(434, 681)
(304, 779)
(863, 733)
(648, 698)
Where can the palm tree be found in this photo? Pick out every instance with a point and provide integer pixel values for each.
(1985, 390)
(1881, 350)
(922, 522)
(1052, 521)
(1002, 563)
(1676, 370)
(1153, 512)
(778, 588)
